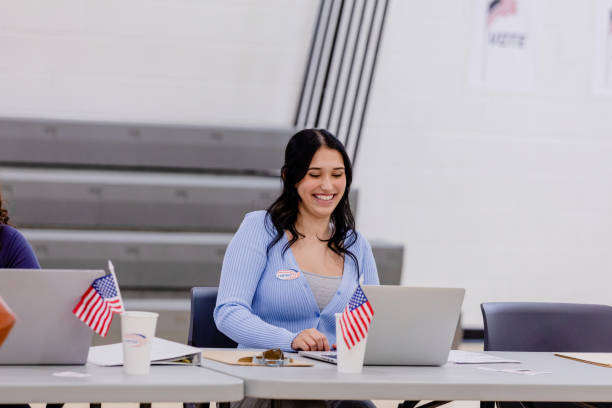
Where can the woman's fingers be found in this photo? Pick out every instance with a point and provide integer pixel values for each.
(310, 340)
(319, 339)
(325, 344)
(304, 341)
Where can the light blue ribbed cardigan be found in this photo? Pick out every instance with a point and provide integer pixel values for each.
(257, 309)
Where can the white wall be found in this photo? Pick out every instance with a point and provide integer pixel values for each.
(227, 62)
(508, 195)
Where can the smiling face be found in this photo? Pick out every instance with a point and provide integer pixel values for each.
(323, 185)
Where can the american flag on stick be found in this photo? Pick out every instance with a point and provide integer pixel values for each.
(99, 303)
(356, 318)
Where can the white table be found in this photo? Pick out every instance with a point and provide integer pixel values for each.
(569, 381)
(19, 384)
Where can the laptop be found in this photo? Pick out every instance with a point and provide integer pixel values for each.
(46, 331)
(411, 326)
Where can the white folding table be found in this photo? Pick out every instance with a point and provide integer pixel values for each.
(568, 381)
(19, 384)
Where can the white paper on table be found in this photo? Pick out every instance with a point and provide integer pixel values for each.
(71, 374)
(468, 357)
(521, 371)
(162, 352)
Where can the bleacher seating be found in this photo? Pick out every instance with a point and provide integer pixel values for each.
(161, 202)
(141, 146)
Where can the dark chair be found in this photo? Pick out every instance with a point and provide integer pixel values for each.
(203, 331)
(548, 327)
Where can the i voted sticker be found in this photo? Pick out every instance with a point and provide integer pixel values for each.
(287, 274)
(135, 340)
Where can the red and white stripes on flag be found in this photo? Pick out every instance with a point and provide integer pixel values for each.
(356, 318)
(99, 303)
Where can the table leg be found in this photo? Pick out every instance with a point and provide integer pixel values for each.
(434, 404)
(199, 404)
(412, 404)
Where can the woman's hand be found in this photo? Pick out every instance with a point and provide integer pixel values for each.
(310, 340)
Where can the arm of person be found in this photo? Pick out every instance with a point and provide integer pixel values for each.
(19, 252)
(243, 264)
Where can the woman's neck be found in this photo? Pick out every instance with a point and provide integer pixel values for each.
(311, 226)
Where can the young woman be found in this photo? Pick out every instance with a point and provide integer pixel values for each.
(15, 251)
(289, 269)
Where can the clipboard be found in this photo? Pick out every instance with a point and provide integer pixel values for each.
(231, 357)
(163, 352)
(598, 359)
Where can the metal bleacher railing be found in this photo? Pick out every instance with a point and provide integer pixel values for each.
(161, 201)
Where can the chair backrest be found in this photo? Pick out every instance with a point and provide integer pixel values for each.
(534, 326)
(203, 331)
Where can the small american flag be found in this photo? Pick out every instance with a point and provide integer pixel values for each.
(356, 318)
(98, 304)
(500, 8)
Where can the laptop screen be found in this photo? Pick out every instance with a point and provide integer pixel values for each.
(46, 331)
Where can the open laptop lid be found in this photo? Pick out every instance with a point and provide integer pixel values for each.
(46, 331)
(411, 325)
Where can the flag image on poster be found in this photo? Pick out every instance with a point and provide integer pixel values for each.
(602, 65)
(502, 56)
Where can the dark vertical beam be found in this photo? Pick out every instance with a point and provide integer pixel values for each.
(316, 76)
(363, 61)
(315, 35)
(341, 65)
(350, 72)
(367, 96)
(329, 64)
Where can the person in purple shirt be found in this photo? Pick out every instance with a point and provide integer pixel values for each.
(15, 251)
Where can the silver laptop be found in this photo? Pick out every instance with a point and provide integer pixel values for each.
(46, 331)
(411, 326)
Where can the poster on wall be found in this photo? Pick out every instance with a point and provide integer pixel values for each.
(503, 45)
(602, 64)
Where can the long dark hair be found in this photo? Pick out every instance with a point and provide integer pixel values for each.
(4, 218)
(284, 211)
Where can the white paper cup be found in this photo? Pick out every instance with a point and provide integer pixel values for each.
(349, 361)
(137, 332)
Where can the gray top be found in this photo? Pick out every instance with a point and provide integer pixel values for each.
(323, 287)
(568, 381)
(20, 384)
